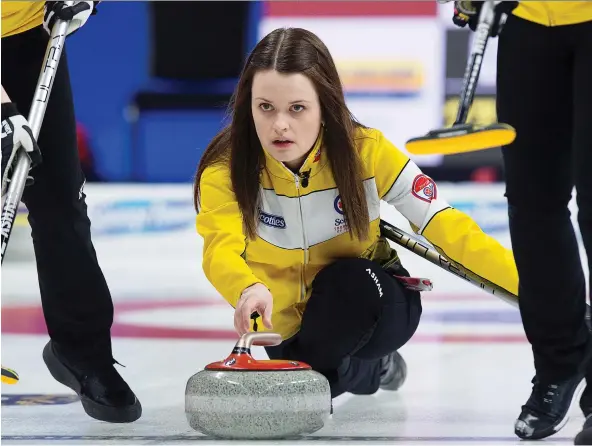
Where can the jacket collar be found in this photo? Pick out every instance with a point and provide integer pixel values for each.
(314, 162)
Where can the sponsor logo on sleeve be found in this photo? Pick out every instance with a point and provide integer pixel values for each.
(424, 188)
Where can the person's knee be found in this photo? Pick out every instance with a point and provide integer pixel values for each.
(350, 293)
(522, 210)
(354, 280)
(542, 203)
(346, 306)
(54, 200)
(553, 196)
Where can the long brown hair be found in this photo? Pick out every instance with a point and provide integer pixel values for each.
(291, 50)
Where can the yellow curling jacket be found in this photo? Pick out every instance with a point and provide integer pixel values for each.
(302, 229)
(554, 13)
(18, 17)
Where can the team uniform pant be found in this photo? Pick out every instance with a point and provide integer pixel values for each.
(356, 315)
(544, 90)
(76, 300)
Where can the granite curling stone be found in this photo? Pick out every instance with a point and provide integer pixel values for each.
(244, 398)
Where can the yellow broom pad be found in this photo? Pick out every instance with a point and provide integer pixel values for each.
(452, 141)
(9, 376)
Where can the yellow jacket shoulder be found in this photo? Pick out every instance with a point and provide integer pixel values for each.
(555, 13)
(382, 160)
(18, 17)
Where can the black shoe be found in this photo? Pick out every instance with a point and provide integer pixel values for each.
(547, 409)
(586, 399)
(104, 394)
(585, 435)
(394, 371)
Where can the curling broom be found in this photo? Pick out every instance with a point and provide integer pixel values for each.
(463, 137)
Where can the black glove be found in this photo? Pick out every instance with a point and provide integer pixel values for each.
(77, 14)
(16, 134)
(466, 12)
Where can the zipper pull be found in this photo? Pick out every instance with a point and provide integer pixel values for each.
(305, 176)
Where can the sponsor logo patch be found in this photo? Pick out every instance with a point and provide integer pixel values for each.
(424, 188)
(273, 221)
(341, 226)
(317, 156)
(340, 223)
(338, 205)
(375, 280)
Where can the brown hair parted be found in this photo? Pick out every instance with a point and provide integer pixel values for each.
(291, 50)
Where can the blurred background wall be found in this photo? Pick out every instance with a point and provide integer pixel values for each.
(151, 79)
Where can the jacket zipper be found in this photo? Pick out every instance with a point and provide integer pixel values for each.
(304, 242)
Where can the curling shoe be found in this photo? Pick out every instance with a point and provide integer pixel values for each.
(585, 435)
(547, 409)
(104, 394)
(393, 371)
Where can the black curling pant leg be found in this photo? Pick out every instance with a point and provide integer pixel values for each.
(356, 315)
(582, 137)
(536, 92)
(76, 300)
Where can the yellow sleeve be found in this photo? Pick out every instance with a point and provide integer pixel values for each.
(219, 222)
(454, 234)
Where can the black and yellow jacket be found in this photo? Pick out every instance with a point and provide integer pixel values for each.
(554, 13)
(302, 229)
(18, 17)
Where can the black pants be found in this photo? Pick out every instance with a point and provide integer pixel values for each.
(351, 321)
(76, 300)
(544, 90)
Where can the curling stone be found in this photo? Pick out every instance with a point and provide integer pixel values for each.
(245, 398)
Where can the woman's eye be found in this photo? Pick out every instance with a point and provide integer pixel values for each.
(297, 108)
(265, 106)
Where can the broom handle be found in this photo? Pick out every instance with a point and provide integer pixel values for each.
(35, 119)
(471, 77)
(429, 253)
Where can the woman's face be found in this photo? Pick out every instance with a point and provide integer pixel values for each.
(287, 115)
